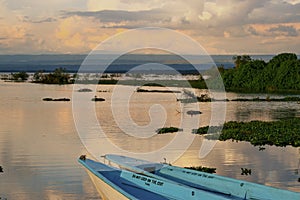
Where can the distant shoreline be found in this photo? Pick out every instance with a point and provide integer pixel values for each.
(72, 62)
(249, 74)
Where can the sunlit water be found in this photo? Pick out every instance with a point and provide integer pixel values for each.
(39, 144)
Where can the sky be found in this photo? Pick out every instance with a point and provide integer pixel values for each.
(219, 26)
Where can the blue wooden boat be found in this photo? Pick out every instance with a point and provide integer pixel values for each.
(233, 188)
(117, 184)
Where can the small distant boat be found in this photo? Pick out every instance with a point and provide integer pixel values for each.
(233, 188)
(119, 184)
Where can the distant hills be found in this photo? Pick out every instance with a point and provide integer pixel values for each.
(115, 64)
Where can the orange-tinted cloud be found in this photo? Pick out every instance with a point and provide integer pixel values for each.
(220, 26)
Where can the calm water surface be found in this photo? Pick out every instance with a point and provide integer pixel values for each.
(39, 144)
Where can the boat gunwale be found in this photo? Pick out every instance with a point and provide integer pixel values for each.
(165, 166)
(106, 180)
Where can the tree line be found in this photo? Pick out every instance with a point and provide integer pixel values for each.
(59, 76)
(281, 73)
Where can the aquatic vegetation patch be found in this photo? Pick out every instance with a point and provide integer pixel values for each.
(57, 99)
(210, 170)
(207, 130)
(85, 90)
(193, 112)
(98, 99)
(59, 76)
(157, 91)
(258, 133)
(268, 99)
(246, 171)
(168, 130)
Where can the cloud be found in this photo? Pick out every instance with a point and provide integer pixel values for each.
(206, 17)
(49, 19)
(41, 6)
(45, 20)
(289, 30)
(252, 31)
(129, 5)
(284, 30)
(68, 26)
(78, 34)
(118, 16)
(276, 12)
(142, 13)
(133, 19)
(293, 2)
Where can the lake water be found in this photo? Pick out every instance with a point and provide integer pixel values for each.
(39, 143)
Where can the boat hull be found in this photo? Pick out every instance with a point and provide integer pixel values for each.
(105, 190)
(113, 183)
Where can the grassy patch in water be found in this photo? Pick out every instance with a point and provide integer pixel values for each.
(279, 133)
(268, 99)
(168, 130)
(210, 170)
(157, 91)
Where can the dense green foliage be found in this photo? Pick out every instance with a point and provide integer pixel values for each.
(281, 73)
(59, 76)
(200, 84)
(240, 60)
(279, 133)
(207, 129)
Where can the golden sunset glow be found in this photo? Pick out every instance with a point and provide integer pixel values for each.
(221, 27)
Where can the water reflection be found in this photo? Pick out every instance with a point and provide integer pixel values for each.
(39, 144)
(282, 113)
(266, 111)
(274, 167)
